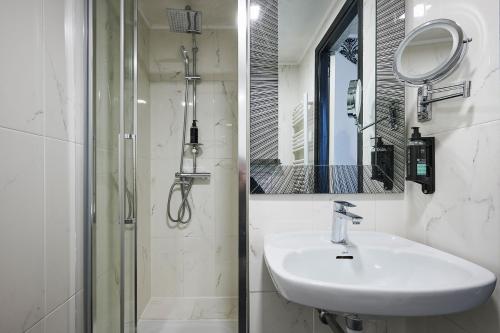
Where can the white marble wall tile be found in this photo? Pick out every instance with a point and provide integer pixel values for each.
(479, 20)
(63, 79)
(37, 328)
(225, 180)
(226, 274)
(198, 258)
(461, 217)
(21, 66)
(79, 214)
(280, 215)
(63, 318)
(21, 242)
(43, 69)
(225, 120)
(217, 56)
(390, 214)
(60, 215)
(167, 276)
(463, 209)
(271, 313)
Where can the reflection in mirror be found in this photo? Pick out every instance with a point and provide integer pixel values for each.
(338, 66)
(426, 52)
(354, 93)
(334, 131)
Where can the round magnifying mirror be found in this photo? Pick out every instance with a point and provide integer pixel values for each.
(354, 98)
(430, 52)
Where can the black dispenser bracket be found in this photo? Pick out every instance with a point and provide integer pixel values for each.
(420, 161)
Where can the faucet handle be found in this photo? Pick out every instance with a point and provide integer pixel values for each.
(341, 206)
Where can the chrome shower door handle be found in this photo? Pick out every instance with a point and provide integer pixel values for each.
(131, 196)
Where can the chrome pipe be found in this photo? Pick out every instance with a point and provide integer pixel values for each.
(121, 168)
(186, 101)
(192, 175)
(330, 320)
(194, 75)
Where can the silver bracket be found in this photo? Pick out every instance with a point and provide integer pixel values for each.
(391, 118)
(129, 136)
(425, 97)
(129, 220)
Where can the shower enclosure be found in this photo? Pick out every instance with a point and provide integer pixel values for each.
(164, 238)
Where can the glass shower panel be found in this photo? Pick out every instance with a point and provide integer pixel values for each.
(114, 230)
(106, 230)
(130, 139)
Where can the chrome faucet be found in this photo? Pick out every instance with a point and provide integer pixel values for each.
(340, 219)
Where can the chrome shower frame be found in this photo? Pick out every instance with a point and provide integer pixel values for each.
(243, 164)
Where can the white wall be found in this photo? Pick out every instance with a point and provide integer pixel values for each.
(194, 266)
(269, 312)
(41, 183)
(463, 215)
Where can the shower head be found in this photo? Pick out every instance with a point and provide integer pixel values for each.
(184, 20)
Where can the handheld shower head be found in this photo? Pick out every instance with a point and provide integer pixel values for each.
(185, 54)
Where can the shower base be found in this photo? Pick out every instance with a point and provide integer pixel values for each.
(187, 326)
(189, 315)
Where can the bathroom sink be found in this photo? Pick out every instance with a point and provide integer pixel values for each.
(375, 274)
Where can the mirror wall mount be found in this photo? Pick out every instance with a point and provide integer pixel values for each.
(425, 97)
(449, 38)
(354, 101)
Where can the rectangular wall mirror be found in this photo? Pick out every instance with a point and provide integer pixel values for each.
(326, 112)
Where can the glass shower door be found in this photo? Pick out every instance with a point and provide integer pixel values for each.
(114, 188)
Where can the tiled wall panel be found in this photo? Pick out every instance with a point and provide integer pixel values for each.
(41, 183)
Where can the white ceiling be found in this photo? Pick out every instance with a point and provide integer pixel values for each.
(299, 22)
(215, 13)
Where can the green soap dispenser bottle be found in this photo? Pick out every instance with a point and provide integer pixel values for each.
(420, 166)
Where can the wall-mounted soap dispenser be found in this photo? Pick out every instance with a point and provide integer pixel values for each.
(382, 156)
(420, 166)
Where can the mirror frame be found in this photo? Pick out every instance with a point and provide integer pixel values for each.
(442, 71)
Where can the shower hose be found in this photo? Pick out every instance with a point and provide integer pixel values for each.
(184, 211)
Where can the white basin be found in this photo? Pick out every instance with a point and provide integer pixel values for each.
(387, 275)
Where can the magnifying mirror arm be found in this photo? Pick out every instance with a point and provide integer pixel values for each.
(425, 99)
(392, 117)
(362, 128)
